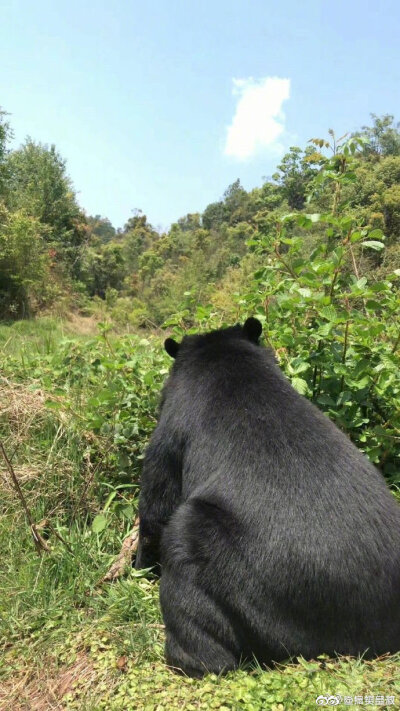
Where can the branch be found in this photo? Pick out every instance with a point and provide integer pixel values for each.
(124, 557)
(346, 333)
(40, 543)
(285, 264)
(354, 262)
(396, 343)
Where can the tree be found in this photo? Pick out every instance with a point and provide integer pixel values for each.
(294, 175)
(103, 268)
(213, 216)
(268, 197)
(24, 264)
(189, 222)
(101, 228)
(383, 136)
(41, 188)
(5, 135)
(138, 237)
(391, 211)
(236, 201)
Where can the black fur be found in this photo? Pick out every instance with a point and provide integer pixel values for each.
(276, 536)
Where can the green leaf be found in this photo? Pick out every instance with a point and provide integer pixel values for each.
(380, 286)
(325, 329)
(325, 399)
(346, 223)
(259, 274)
(304, 292)
(373, 305)
(300, 385)
(373, 244)
(127, 512)
(329, 312)
(99, 523)
(349, 178)
(299, 366)
(376, 234)
(110, 499)
(360, 283)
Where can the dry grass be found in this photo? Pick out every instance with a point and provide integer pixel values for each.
(23, 408)
(82, 325)
(44, 689)
(20, 405)
(35, 442)
(25, 472)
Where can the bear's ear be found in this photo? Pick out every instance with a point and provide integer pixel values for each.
(172, 347)
(252, 329)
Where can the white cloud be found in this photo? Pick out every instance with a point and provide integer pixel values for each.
(259, 120)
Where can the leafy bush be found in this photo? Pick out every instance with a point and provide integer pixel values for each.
(335, 332)
(24, 264)
(103, 394)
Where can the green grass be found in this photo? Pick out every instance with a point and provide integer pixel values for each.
(31, 337)
(75, 416)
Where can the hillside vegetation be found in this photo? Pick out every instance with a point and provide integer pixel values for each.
(54, 255)
(315, 254)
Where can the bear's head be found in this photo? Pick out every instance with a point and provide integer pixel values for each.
(250, 331)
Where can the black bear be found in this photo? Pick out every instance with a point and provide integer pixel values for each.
(276, 536)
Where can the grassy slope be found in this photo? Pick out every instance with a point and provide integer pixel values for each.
(75, 414)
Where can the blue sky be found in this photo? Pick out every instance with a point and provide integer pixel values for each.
(161, 104)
